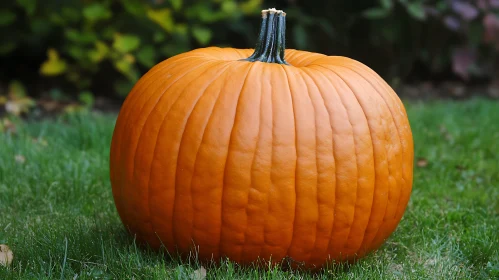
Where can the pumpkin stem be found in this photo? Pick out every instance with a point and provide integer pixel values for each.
(271, 40)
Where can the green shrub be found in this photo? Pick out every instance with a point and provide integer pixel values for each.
(105, 46)
(402, 39)
(108, 44)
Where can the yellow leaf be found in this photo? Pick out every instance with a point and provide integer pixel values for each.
(251, 6)
(99, 53)
(54, 65)
(163, 17)
(3, 99)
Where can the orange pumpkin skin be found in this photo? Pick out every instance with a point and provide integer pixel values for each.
(311, 161)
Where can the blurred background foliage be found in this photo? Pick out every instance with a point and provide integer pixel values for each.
(80, 49)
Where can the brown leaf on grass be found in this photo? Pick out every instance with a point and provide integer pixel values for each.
(50, 105)
(20, 159)
(460, 167)
(445, 133)
(6, 255)
(7, 126)
(40, 141)
(198, 274)
(422, 162)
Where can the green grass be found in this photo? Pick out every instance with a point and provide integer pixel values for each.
(58, 217)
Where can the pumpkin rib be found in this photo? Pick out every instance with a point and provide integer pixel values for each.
(401, 145)
(294, 55)
(336, 207)
(280, 215)
(357, 206)
(296, 157)
(340, 98)
(316, 167)
(252, 167)
(122, 120)
(155, 141)
(355, 140)
(371, 138)
(180, 93)
(231, 135)
(390, 175)
(223, 70)
(270, 132)
(394, 123)
(265, 227)
(319, 94)
(159, 96)
(396, 100)
(161, 130)
(304, 82)
(334, 155)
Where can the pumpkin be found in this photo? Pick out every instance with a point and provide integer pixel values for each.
(265, 154)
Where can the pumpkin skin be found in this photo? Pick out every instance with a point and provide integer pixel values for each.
(311, 161)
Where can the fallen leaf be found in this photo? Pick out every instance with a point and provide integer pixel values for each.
(460, 167)
(40, 141)
(7, 126)
(198, 274)
(20, 159)
(49, 105)
(422, 162)
(6, 255)
(18, 106)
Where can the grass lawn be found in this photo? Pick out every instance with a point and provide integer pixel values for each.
(58, 217)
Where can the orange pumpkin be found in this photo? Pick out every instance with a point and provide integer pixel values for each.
(283, 155)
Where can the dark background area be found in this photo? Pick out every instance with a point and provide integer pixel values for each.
(84, 51)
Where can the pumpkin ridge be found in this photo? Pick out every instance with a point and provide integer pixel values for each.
(223, 65)
(302, 73)
(252, 166)
(310, 254)
(271, 130)
(133, 175)
(394, 124)
(400, 138)
(374, 173)
(383, 222)
(176, 150)
(337, 91)
(280, 215)
(328, 247)
(355, 143)
(293, 93)
(148, 184)
(315, 83)
(405, 182)
(123, 120)
(296, 159)
(224, 187)
(160, 97)
(265, 228)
